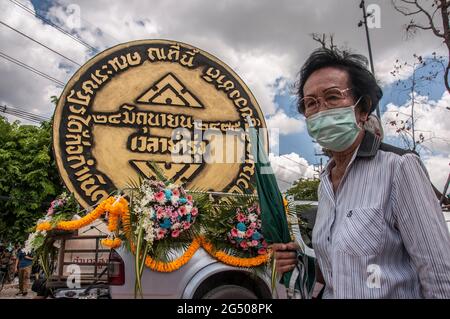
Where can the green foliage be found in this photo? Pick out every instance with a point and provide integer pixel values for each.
(305, 189)
(28, 177)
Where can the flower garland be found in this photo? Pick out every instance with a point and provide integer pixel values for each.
(179, 262)
(233, 260)
(175, 264)
(118, 210)
(112, 243)
(116, 207)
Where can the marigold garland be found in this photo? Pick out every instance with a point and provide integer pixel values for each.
(114, 206)
(233, 260)
(118, 209)
(112, 243)
(175, 264)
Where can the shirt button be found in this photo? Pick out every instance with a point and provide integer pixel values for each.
(350, 213)
(328, 238)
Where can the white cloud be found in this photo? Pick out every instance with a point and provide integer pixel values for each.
(281, 124)
(286, 125)
(18, 86)
(433, 124)
(430, 121)
(438, 168)
(289, 168)
(261, 40)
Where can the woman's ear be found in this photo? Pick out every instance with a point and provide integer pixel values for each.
(364, 109)
(368, 105)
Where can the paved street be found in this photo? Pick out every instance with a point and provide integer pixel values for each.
(9, 291)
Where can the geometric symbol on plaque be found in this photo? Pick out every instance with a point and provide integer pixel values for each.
(178, 173)
(171, 92)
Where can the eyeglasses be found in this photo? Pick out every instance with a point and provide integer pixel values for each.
(332, 98)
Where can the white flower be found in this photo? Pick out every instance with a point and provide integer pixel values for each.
(241, 234)
(174, 199)
(176, 226)
(149, 233)
(252, 218)
(29, 243)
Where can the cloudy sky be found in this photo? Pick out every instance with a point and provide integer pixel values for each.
(264, 41)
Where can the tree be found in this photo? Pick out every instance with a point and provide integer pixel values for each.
(441, 29)
(423, 71)
(28, 177)
(305, 189)
(326, 41)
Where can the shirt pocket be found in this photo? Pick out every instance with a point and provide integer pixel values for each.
(361, 232)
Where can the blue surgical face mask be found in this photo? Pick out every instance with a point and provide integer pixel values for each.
(334, 129)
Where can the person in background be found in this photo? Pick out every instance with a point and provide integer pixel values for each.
(24, 263)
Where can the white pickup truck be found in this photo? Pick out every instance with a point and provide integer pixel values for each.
(110, 274)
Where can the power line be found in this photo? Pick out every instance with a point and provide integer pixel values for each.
(285, 156)
(23, 114)
(29, 68)
(20, 5)
(285, 167)
(28, 37)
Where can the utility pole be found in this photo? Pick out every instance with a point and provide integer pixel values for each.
(362, 5)
(319, 167)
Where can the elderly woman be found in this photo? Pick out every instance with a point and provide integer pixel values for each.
(379, 231)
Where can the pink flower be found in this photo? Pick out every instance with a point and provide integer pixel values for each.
(50, 211)
(264, 244)
(175, 233)
(186, 225)
(240, 217)
(189, 198)
(182, 210)
(254, 243)
(252, 225)
(194, 211)
(176, 192)
(160, 213)
(160, 197)
(244, 244)
(161, 232)
(262, 251)
(174, 214)
(234, 232)
(249, 233)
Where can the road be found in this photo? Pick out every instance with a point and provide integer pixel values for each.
(9, 291)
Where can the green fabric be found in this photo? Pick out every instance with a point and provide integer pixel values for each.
(274, 222)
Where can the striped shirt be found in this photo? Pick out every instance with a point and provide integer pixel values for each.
(382, 234)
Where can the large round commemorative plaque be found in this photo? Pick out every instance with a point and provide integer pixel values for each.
(152, 106)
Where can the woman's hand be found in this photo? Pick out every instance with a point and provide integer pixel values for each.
(285, 256)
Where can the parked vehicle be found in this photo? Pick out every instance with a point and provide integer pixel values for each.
(110, 274)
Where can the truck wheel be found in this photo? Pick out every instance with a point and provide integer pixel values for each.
(230, 292)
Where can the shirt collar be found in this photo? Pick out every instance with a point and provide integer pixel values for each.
(367, 148)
